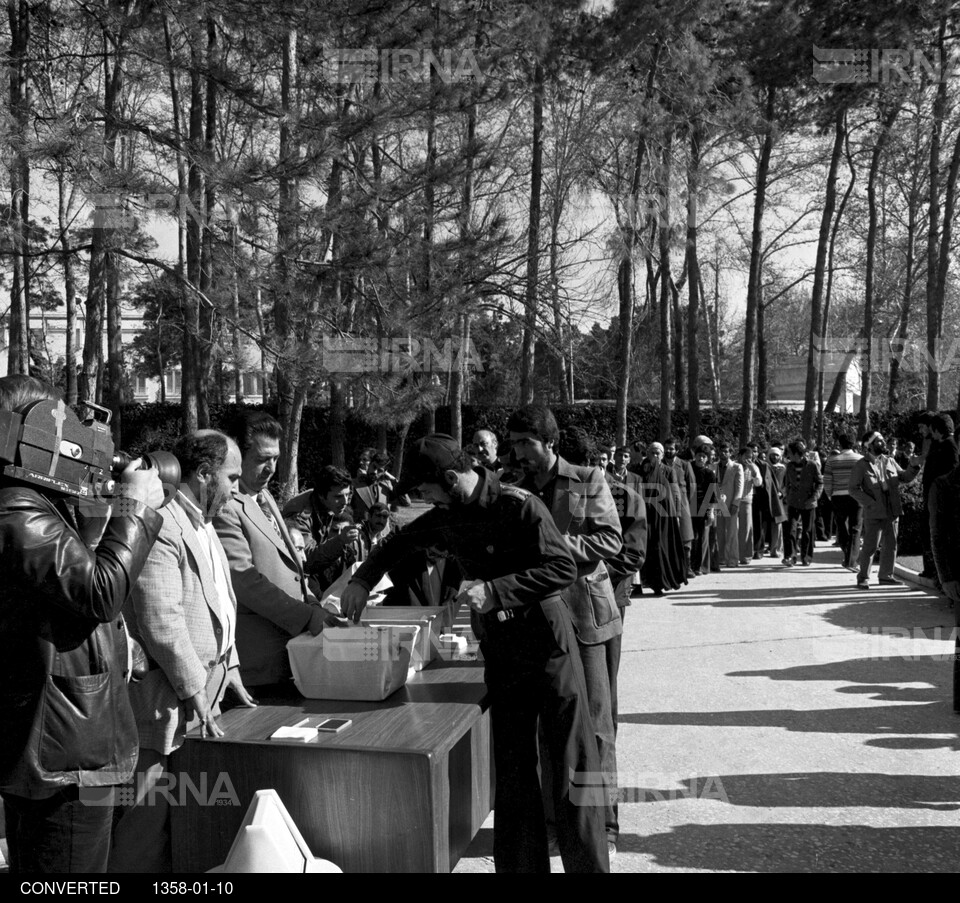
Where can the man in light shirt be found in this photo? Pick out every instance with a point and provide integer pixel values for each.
(183, 613)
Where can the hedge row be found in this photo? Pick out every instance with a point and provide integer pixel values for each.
(156, 426)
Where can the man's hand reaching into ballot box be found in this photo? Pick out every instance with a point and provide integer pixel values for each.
(322, 618)
(476, 594)
(353, 601)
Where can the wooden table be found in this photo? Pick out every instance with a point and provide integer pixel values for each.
(405, 788)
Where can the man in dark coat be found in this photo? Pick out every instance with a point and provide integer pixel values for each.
(516, 564)
(941, 460)
(69, 734)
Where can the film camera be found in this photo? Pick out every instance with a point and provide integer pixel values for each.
(48, 445)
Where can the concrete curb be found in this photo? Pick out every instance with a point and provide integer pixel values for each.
(913, 577)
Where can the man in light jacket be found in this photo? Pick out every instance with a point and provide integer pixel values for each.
(875, 483)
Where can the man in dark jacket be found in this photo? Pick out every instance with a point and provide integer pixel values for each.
(69, 732)
(941, 459)
(516, 564)
(585, 514)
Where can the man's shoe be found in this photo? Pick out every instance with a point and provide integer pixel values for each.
(890, 581)
(805, 562)
(852, 567)
(862, 584)
(744, 561)
(788, 562)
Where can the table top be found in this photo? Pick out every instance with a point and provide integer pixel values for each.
(435, 708)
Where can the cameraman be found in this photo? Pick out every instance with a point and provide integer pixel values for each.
(64, 709)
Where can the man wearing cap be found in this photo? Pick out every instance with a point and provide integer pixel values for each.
(516, 564)
(875, 483)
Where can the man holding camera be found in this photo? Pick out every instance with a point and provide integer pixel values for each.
(69, 731)
(183, 612)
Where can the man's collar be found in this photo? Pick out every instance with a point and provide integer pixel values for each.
(191, 509)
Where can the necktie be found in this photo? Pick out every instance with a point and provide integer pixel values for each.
(267, 513)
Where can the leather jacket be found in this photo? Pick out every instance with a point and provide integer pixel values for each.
(64, 665)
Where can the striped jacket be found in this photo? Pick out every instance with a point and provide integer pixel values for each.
(837, 470)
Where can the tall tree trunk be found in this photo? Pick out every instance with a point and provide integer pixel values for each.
(949, 207)
(104, 225)
(190, 357)
(287, 232)
(113, 394)
(459, 376)
(693, 275)
(69, 288)
(903, 323)
(237, 352)
(626, 270)
(829, 294)
(207, 345)
(527, 372)
(676, 322)
(563, 383)
(711, 358)
(666, 362)
(866, 369)
(753, 281)
(934, 248)
(337, 423)
(763, 371)
(819, 275)
(19, 70)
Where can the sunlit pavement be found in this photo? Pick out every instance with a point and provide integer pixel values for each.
(778, 719)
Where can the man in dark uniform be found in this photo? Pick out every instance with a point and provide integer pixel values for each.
(516, 563)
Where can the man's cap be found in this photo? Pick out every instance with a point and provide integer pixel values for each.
(701, 441)
(428, 459)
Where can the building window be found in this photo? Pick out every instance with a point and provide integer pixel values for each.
(171, 381)
(141, 386)
(252, 383)
(79, 341)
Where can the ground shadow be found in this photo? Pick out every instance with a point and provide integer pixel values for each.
(936, 670)
(800, 848)
(809, 790)
(933, 717)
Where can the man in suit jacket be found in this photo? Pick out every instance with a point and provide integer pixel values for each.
(183, 613)
(627, 491)
(273, 602)
(584, 512)
(729, 488)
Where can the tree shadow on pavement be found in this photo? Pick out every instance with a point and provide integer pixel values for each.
(934, 717)
(800, 848)
(773, 597)
(889, 669)
(817, 789)
(892, 611)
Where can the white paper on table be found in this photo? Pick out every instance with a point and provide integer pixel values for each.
(294, 733)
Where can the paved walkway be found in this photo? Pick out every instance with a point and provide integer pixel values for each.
(776, 719)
